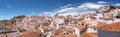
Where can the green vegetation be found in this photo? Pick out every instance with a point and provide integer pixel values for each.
(13, 20)
(18, 17)
(112, 7)
(97, 12)
(118, 16)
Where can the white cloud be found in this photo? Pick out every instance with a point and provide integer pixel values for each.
(101, 2)
(85, 7)
(118, 4)
(82, 8)
(66, 10)
(66, 6)
(90, 5)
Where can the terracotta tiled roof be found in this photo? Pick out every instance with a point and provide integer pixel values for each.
(58, 36)
(68, 35)
(28, 33)
(71, 35)
(107, 18)
(57, 32)
(80, 26)
(3, 35)
(70, 29)
(89, 35)
(111, 27)
(100, 24)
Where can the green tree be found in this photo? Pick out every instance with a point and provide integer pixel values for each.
(118, 16)
(112, 7)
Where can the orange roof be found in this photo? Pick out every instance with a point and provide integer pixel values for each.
(80, 26)
(3, 35)
(111, 27)
(107, 18)
(89, 35)
(99, 24)
(28, 33)
(58, 36)
(70, 29)
(71, 35)
(57, 32)
(68, 35)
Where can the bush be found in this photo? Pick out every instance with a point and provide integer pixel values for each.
(112, 7)
(118, 16)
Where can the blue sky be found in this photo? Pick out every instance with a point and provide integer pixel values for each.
(11, 8)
